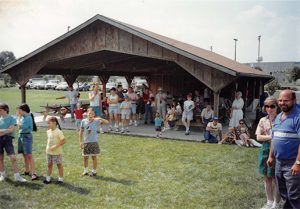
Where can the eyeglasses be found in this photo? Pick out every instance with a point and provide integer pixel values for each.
(270, 106)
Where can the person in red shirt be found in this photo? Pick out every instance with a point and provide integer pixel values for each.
(78, 115)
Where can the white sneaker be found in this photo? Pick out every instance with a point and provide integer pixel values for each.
(2, 178)
(122, 130)
(135, 123)
(267, 206)
(19, 178)
(219, 142)
(276, 205)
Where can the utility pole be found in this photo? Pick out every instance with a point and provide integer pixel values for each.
(211, 48)
(69, 28)
(258, 53)
(235, 40)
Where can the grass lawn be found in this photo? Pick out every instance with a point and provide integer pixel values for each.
(34, 98)
(143, 173)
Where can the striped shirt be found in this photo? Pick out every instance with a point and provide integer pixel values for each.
(286, 136)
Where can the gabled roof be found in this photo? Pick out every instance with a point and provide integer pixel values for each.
(195, 53)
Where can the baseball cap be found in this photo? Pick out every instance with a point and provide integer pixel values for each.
(215, 118)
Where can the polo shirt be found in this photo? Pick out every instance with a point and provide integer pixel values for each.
(286, 135)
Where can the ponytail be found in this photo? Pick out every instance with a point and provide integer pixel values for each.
(54, 119)
(33, 123)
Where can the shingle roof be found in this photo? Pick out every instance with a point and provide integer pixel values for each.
(193, 52)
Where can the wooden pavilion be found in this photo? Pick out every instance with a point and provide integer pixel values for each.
(105, 47)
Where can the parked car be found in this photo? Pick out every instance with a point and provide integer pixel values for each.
(84, 87)
(51, 84)
(63, 86)
(110, 85)
(40, 85)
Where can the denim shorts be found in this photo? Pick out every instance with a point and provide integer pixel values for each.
(113, 110)
(97, 110)
(7, 145)
(25, 144)
(133, 108)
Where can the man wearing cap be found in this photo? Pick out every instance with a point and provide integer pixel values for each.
(187, 115)
(213, 131)
(160, 99)
(285, 149)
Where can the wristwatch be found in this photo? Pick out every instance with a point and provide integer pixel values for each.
(297, 162)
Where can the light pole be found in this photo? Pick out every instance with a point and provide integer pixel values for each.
(235, 40)
(258, 54)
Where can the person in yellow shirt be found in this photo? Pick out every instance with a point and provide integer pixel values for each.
(55, 142)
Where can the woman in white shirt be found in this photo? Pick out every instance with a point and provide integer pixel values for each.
(236, 110)
(187, 114)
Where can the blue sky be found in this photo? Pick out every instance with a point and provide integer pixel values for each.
(27, 25)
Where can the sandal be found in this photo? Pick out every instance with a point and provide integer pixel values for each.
(26, 173)
(34, 177)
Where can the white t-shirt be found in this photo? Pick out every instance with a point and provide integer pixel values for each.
(207, 114)
(215, 128)
(113, 98)
(188, 105)
(72, 96)
(132, 97)
(161, 99)
(96, 101)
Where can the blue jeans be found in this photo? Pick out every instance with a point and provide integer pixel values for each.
(148, 111)
(289, 186)
(97, 110)
(210, 138)
(73, 106)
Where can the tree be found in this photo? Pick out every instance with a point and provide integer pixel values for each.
(84, 78)
(295, 74)
(272, 86)
(7, 57)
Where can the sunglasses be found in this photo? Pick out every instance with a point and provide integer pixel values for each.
(242, 123)
(270, 106)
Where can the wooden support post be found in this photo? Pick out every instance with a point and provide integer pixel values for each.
(261, 87)
(216, 102)
(70, 79)
(23, 93)
(149, 80)
(104, 79)
(129, 79)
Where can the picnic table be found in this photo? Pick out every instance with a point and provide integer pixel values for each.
(61, 110)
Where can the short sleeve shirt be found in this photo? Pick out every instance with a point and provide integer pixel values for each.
(207, 114)
(54, 138)
(125, 107)
(158, 122)
(264, 127)
(90, 130)
(215, 128)
(26, 125)
(286, 135)
(188, 105)
(6, 122)
(72, 96)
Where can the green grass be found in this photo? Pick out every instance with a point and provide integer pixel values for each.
(143, 173)
(34, 98)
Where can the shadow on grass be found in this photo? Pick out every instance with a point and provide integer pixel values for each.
(27, 184)
(119, 181)
(75, 188)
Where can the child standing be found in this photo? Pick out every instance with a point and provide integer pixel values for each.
(55, 142)
(158, 123)
(88, 140)
(125, 109)
(78, 115)
(26, 126)
(7, 134)
(187, 115)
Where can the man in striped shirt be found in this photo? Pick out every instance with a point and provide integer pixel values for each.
(285, 149)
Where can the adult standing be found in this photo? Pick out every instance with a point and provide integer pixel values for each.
(113, 111)
(148, 107)
(160, 99)
(207, 95)
(95, 102)
(187, 115)
(121, 99)
(236, 110)
(72, 96)
(263, 134)
(133, 100)
(285, 149)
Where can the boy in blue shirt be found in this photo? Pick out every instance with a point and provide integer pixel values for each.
(158, 123)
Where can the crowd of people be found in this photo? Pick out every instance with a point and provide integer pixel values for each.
(278, 133)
